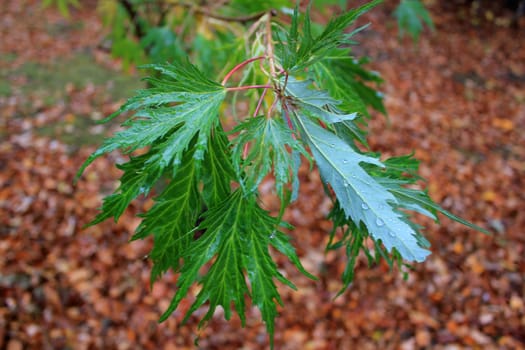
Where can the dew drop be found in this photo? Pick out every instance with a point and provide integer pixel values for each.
(345, 184)
(391, 234)
(272, 235)
(345, 161)
(379, 222)
(364, 206)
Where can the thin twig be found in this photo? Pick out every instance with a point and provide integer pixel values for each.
(245, 150)
(288, 120)
(269, 45)
(239, 66)
(259, 103)
(134, 17)
(247, 87)
(269, 112)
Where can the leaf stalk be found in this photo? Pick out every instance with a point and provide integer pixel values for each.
(239, 66)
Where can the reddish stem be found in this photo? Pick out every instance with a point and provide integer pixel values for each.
(246, 87)
(322, 124)
(239, 66)
(260, 103)
(288, 120)
(245, 150)
(269, 112)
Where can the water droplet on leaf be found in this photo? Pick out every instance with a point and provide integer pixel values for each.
(391, 234)
(345, 161)
(364, 206)
(379, 222)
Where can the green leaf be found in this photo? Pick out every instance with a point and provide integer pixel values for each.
(180, 105)
(162, 45)
(218, 173)
(411, 14)
(338, 86)
(346, 80)
(316, 102)
(237, 232)
(420, 201)
(271, 144)
(174, 213)
(400, 171)
(354, 240)
(297, 51)
(361, 196)
(140, 174)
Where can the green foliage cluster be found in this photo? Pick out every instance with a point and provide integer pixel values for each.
(411, 17)
(308, 101)
(157, 31)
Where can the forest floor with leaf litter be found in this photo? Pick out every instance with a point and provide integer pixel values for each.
(457, 98)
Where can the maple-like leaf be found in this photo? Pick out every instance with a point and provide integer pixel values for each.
(272, 144)
(362, 198)
(398, 172)
(297, 50)
(347, 81)
(162, 45)
(317, 103)
(217, 171)
(140, 174)
(172, 216)
(237, 232)
(181, 104)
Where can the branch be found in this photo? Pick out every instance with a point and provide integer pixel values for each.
(208, 13)
(247, 87)
(269, 46)
(134, 17)
(239, 66)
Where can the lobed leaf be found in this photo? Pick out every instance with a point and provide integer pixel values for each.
(140, 174)
(297, 50)
(362, 198)
(237, 232)
(317, 103)
(171, 217)
(271, 144)
(180, 105)
(218, 172)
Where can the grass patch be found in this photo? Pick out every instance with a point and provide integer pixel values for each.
(50, 80)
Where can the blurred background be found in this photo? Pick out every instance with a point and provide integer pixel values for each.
(456, 97)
